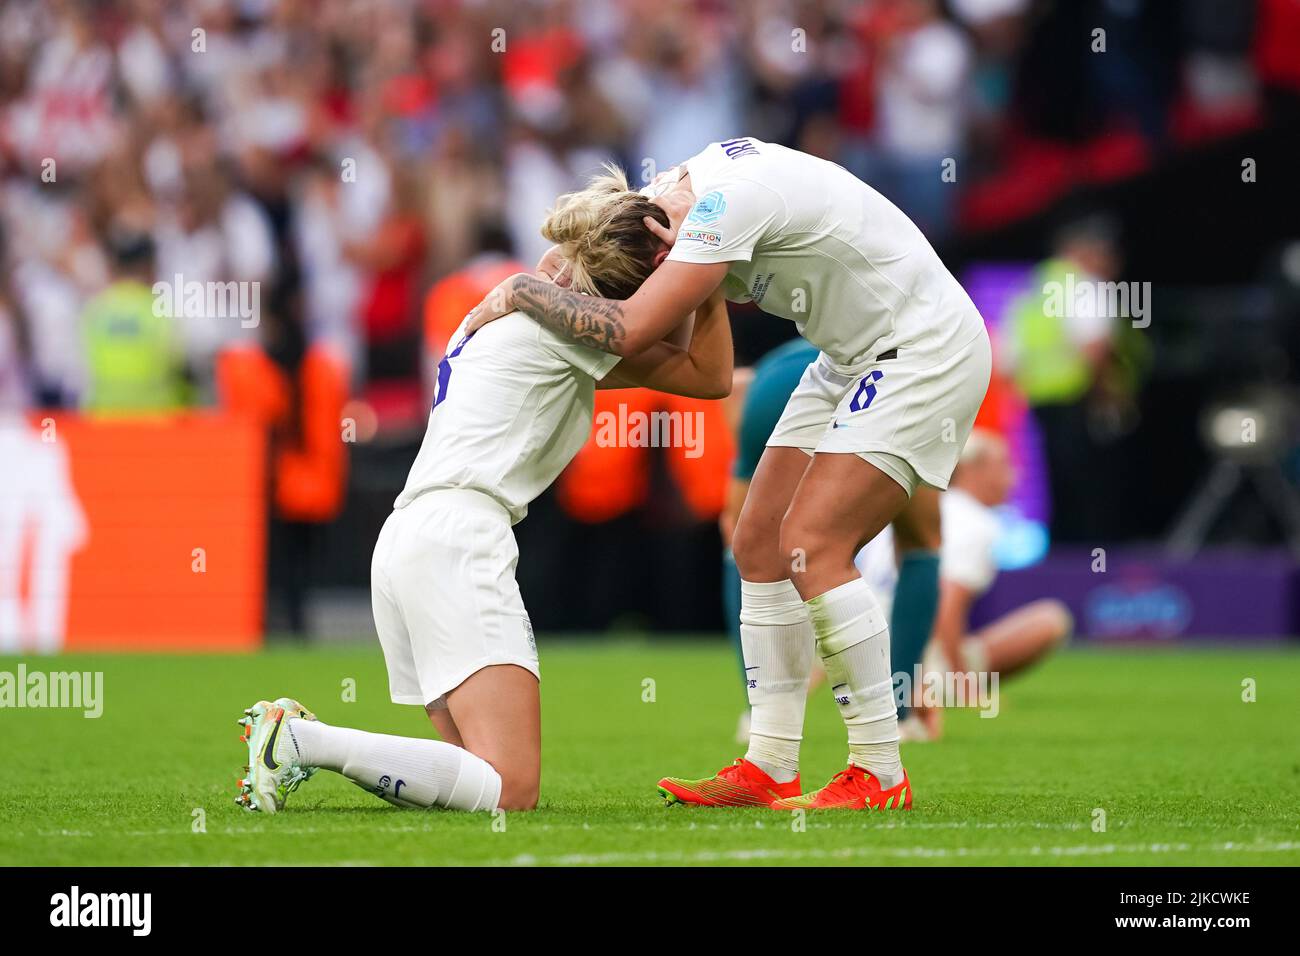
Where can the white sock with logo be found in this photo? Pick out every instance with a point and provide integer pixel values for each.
(853, 643)
(777, 641)
(407, 771)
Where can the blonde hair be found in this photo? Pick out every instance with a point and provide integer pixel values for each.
(602, 236)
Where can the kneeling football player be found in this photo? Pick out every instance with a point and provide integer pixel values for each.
(512, 406)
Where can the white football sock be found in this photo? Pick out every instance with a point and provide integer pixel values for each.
(777, 641)
(853, 643)
(407, 771)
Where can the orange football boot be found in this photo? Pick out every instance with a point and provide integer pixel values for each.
(852, 789)
(740, 785)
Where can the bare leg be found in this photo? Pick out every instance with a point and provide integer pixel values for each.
(760, 557)
(446, 727)
(916, 528)
(776, 634)
(1026, 635)
(841, 503)
(498, 714)
(756, 542)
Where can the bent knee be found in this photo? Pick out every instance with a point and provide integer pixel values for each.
(1058, 622)
(918, 526)
(518, 793)
(817, 561)
(806, 543)
(757, 554)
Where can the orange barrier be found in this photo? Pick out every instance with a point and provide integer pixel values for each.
(311, 477)
(608, 479)
(604, 482)
(450, 299)
(133, 534)
(306, 417)
(705, 478)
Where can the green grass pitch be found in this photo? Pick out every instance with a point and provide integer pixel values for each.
(1160, 740)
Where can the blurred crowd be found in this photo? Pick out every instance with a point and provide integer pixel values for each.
(283, 208)
(342, 156)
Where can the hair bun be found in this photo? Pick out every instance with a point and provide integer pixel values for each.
(577, 214)
(570, 220)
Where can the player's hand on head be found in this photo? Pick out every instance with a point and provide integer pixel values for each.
(500, 301)
(677, 204)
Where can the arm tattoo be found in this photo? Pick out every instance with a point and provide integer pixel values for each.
(583, 319)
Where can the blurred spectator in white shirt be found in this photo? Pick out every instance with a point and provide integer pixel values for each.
(210, 233)
(925, 66)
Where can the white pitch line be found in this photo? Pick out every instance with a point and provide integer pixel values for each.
(774, 825)
(760, 855)
(275, 864)
(777, 854)
(270, 830)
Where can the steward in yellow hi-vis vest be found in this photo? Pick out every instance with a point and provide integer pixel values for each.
(133, 355)
(1050, 365)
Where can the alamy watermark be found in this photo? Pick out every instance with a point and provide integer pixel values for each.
(75, 908)
(180, 299)
(75, 690)
(1092, 297)
(657, 429)
(944, 688)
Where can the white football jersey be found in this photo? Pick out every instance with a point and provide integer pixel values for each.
(810, 242)
(966, 557)
(512, 406)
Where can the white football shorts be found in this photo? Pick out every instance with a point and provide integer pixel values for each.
(909, 412)
(445, 598)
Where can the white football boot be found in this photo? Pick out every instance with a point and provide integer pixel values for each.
(273, 771)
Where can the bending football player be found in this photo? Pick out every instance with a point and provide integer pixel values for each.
(903, 367)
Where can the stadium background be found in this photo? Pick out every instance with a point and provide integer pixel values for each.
(371, 169)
